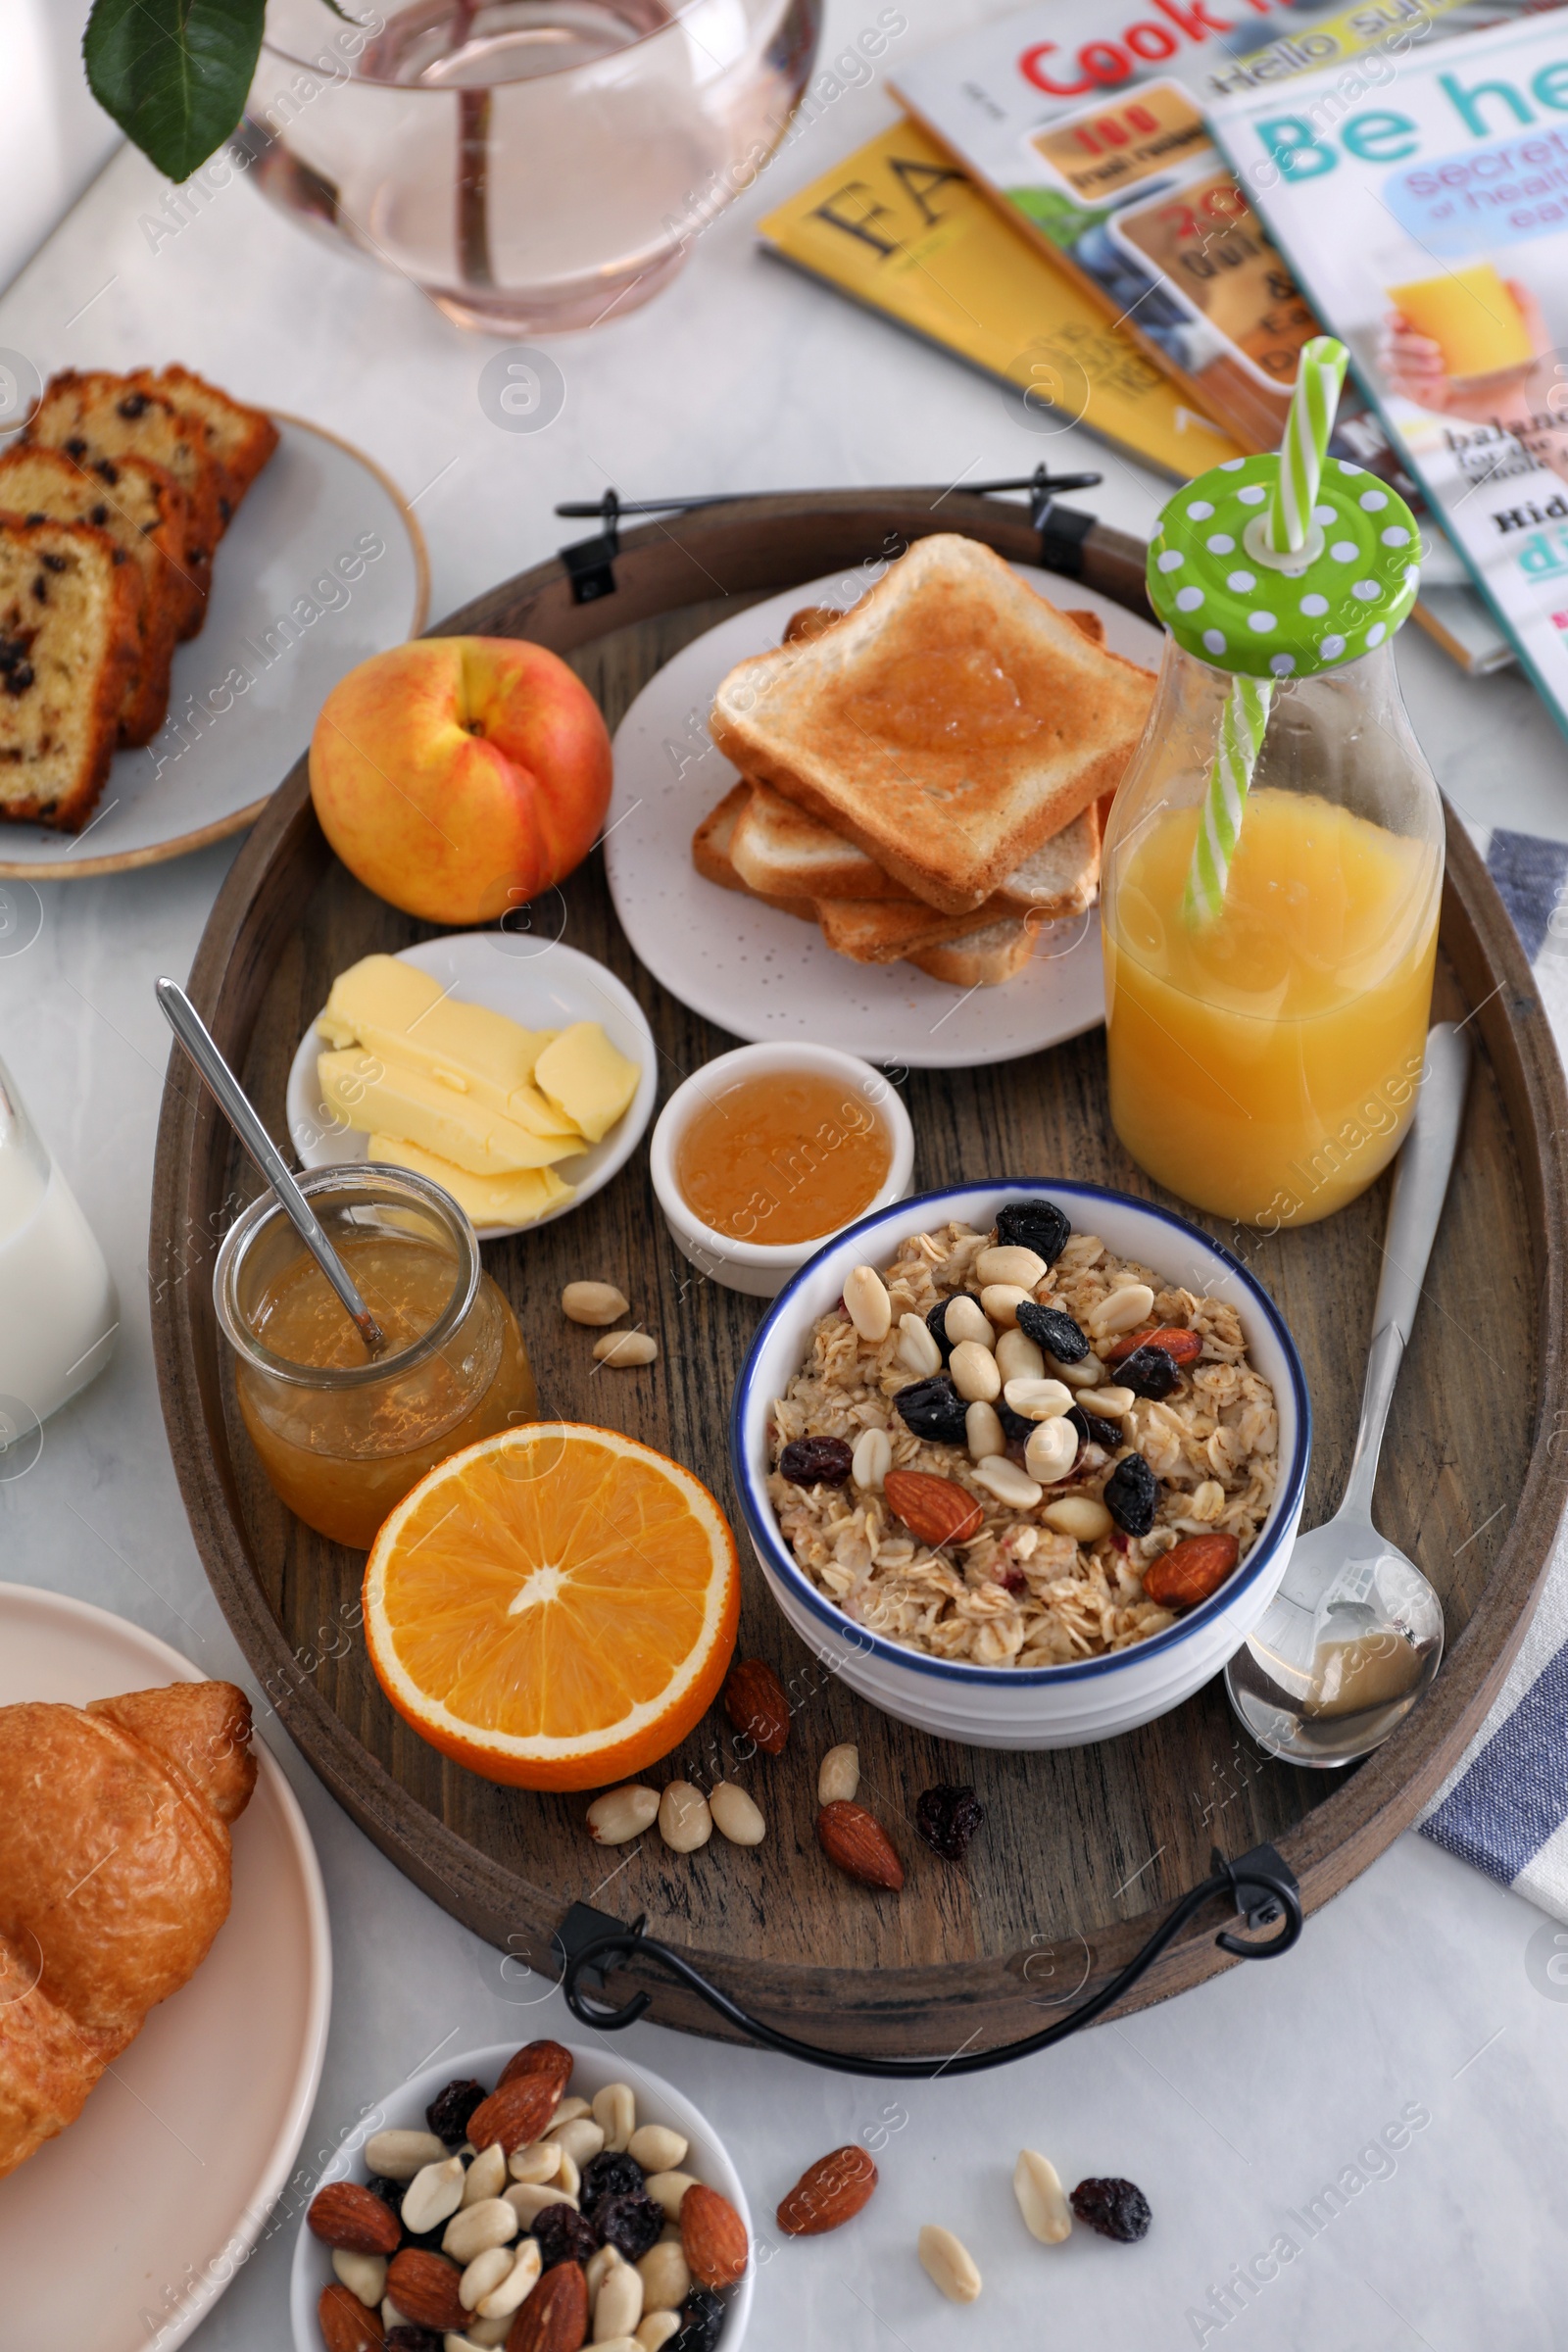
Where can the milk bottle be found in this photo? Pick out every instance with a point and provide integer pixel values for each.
(58, 1310)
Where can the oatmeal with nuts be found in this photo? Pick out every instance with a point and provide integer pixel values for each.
(1015, 1448)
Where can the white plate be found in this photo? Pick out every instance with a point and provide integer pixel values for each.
(770, 977)
(128, 2228)
(608, 2061)
(282, 616)
(540, 983)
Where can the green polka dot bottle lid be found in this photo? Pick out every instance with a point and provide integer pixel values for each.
(1226, 596)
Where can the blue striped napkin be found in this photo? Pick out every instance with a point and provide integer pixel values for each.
(1504, 1808)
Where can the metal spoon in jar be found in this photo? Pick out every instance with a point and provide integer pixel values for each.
(1355, 1633)
(197, 1039)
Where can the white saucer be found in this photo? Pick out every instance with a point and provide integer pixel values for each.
(186, 2147)
(322, 567)
(538, 982)
(770, 977)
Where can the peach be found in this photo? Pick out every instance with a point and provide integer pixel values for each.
(460, 776)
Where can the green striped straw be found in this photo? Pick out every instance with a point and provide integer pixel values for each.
(1318, 378)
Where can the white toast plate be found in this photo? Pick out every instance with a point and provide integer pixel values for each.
(770, 977)
(322, 567)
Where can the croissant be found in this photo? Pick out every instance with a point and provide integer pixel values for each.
(115, 1877)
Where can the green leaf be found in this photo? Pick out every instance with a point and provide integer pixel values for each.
(174, 74)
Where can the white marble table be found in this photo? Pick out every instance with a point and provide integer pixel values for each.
(1416, 1992)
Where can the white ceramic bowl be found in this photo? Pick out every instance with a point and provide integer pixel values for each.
(757, 1267)
(658, 2102)
(541, 983)
(1010, 1707)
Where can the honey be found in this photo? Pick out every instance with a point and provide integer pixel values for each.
(342, 1438)
(790, 1156)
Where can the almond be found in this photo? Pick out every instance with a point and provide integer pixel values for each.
(828, 2193)
(345, 2324)
(1182, 1346)
(516, 2113)
(1191, 1570)
(555, 2318)
(343, 2214)
(538, 2058)
(754, 1702)
(424, 2287)
(857, 1842)
(936, 1509)
(713, 2236)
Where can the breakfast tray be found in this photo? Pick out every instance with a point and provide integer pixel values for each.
(1082, 1851)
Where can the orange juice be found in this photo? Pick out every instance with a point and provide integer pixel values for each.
(1471, 315)
(1265, 1065)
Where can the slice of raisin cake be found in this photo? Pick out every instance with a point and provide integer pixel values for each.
(67, 643)
(142, 509)
(241, 439)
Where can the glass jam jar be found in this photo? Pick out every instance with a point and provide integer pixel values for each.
(1267, 1025)
(343, 1437)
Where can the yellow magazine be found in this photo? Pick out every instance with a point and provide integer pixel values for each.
(900, 227)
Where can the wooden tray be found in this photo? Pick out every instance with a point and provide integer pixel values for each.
(1082, 1850)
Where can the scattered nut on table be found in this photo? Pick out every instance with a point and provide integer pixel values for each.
(838, 1775)
(624, 1348)
(593, 1302)
(1042, 2200)
(621, 1814)
(684, 1820)
(948, 2264)
(735, 1816)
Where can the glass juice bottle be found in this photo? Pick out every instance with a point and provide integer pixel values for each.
(342, 1437)
(1264, 1053)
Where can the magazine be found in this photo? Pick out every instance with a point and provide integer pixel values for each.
(1086, 121)
(1426, 210)
(901, 226)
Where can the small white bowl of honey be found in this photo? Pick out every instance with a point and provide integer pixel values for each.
(764, 1154)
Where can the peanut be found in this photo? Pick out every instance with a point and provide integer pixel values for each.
(1052, 1451)
(1000, 1301)
(838, 1777)
(484, 2335)
(1087, 1373)
(658, 2149)
(656, 2331)
(873, 1459)
(622, 1813)
(486, 2176)
(684, 1820)
(1038, 1399)
(363, 2274)
(735, 1816)
(1018, 1357)
(624, 1348)
(535, 2165)
(983, 1431)
(667, 2189)
(1108, 1405)
(399, 2155)
(473, 2229)
(578, 2138)
(973, 1372)
(948, 2264)
(918, 1349)
(666, 2279)
(868, 1304)
(569, 2179)
(593, 1303)
(965, 1319)
(1040, 2201)
(1078, 1516)
(484, 2273)
(615, 2110)
(1132, 1304)
(435, 2192)
(619, 2303)
(529, 2199)
(1007, 1262)
(517, 2284)
(1008, 1482)
(600, 2264)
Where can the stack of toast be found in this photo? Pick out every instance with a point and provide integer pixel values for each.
(924, 776)
(111, 505)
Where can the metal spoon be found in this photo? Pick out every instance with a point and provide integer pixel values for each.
(1355, 1633)
(196, 1038)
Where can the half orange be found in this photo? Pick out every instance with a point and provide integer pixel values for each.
(555, 1607)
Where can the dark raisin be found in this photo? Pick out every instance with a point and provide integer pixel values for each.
(18, 679)
(632, 2225)
(133, 405)
(947, 1818)
(449, 2110)
(936, 1323)
(1058, 1334)
(566, 2235)
(1035, 1225)
(107, 472)
(702, 2322)
(40, 590)
(99, 515)
(1149, 1372)
(407, 2338)
(1115, 2208)
(1092, 1431)
(54, 562)
(1130, 1493)
(933, 1408)
(610, 2175)
(32, 518)
(390, 2192)
(1016, 1428)
(816, 1461)
(75, 447)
